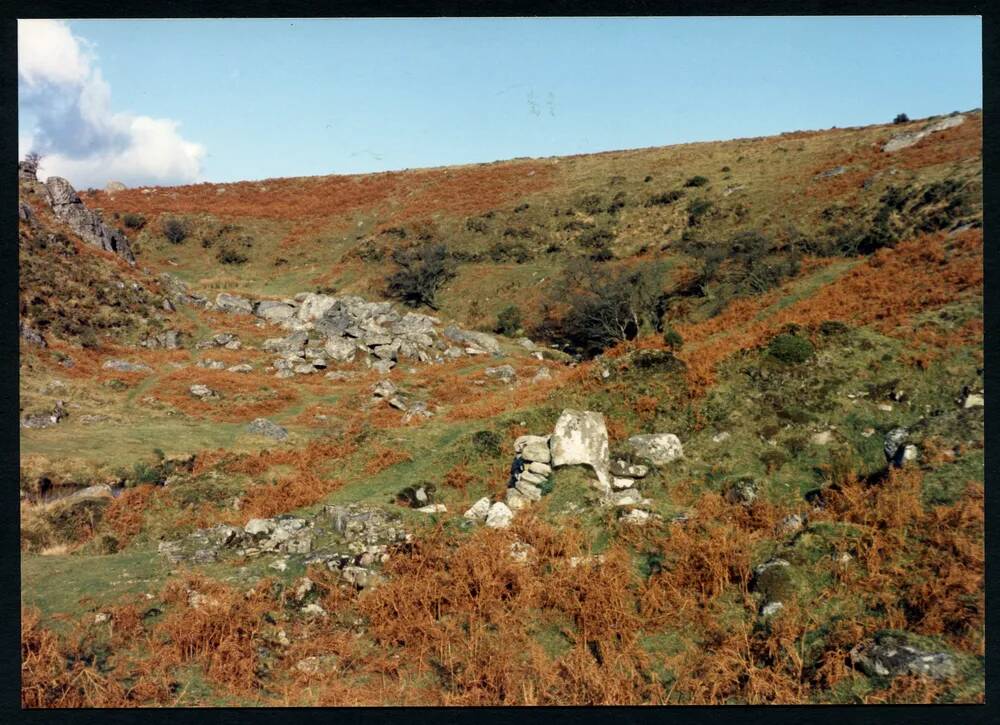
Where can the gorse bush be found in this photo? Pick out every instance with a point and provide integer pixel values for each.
(175, 230)
(134, 221)
(790, 349)
(901, 118)
(508, 321)
(421, 273)
(697, 209)
(672, 339)
(696, 181)
(510, 252)
(664, 198)
(228, 255)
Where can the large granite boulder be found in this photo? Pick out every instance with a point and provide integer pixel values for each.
(581, 438)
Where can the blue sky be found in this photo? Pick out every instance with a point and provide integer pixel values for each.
(246, 99)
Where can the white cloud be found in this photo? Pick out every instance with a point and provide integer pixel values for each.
(76, 131)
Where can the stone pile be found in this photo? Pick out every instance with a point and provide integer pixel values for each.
(350, 329)
(580, 438)
(386, 390)
(352, 540)
(530, 471)
(226, 340)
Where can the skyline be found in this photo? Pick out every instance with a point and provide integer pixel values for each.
(114, 100)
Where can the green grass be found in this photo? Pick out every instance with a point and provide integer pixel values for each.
(76, 583)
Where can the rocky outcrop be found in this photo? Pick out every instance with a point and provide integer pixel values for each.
(30, 334)
(68, 207)
(46, 419)
(905, 140)
(889, 654)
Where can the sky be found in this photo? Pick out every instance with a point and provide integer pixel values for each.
(183, 101)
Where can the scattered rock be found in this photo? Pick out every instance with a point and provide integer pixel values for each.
(636, 517)
(483, 341)
(896, 451)
(226, 302)
(274, 312)
(822, 438)
(627, 497)
(891, 654)
(499, 516)
(479, 510)
(46, 419)
(625, 468)
(203, 392)
(791, 524)
(124, 366)
(504, 373)
(660, 448)
(31, 335)
(974, 400)
(542, 374)
(434, 508)
(267, 428)
(742, 491)
(771, 608)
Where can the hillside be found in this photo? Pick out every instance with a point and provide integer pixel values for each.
(742, 382)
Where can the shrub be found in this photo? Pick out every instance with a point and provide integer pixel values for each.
(175, 230)
(508, 321)
(519, 233)
(596, 238)
(617, 203)
(697, 209)
(592, 204)
(664, 198)
(476, 224)
(606, 307)
(672, 339)
(134, 221)
(901, 118)
(228, 255)
(790, 349)
(696, 181)
(510, 251)
(602, 253)
(487, 442)
(421, 273)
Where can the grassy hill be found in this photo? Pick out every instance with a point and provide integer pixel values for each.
(820, 291)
